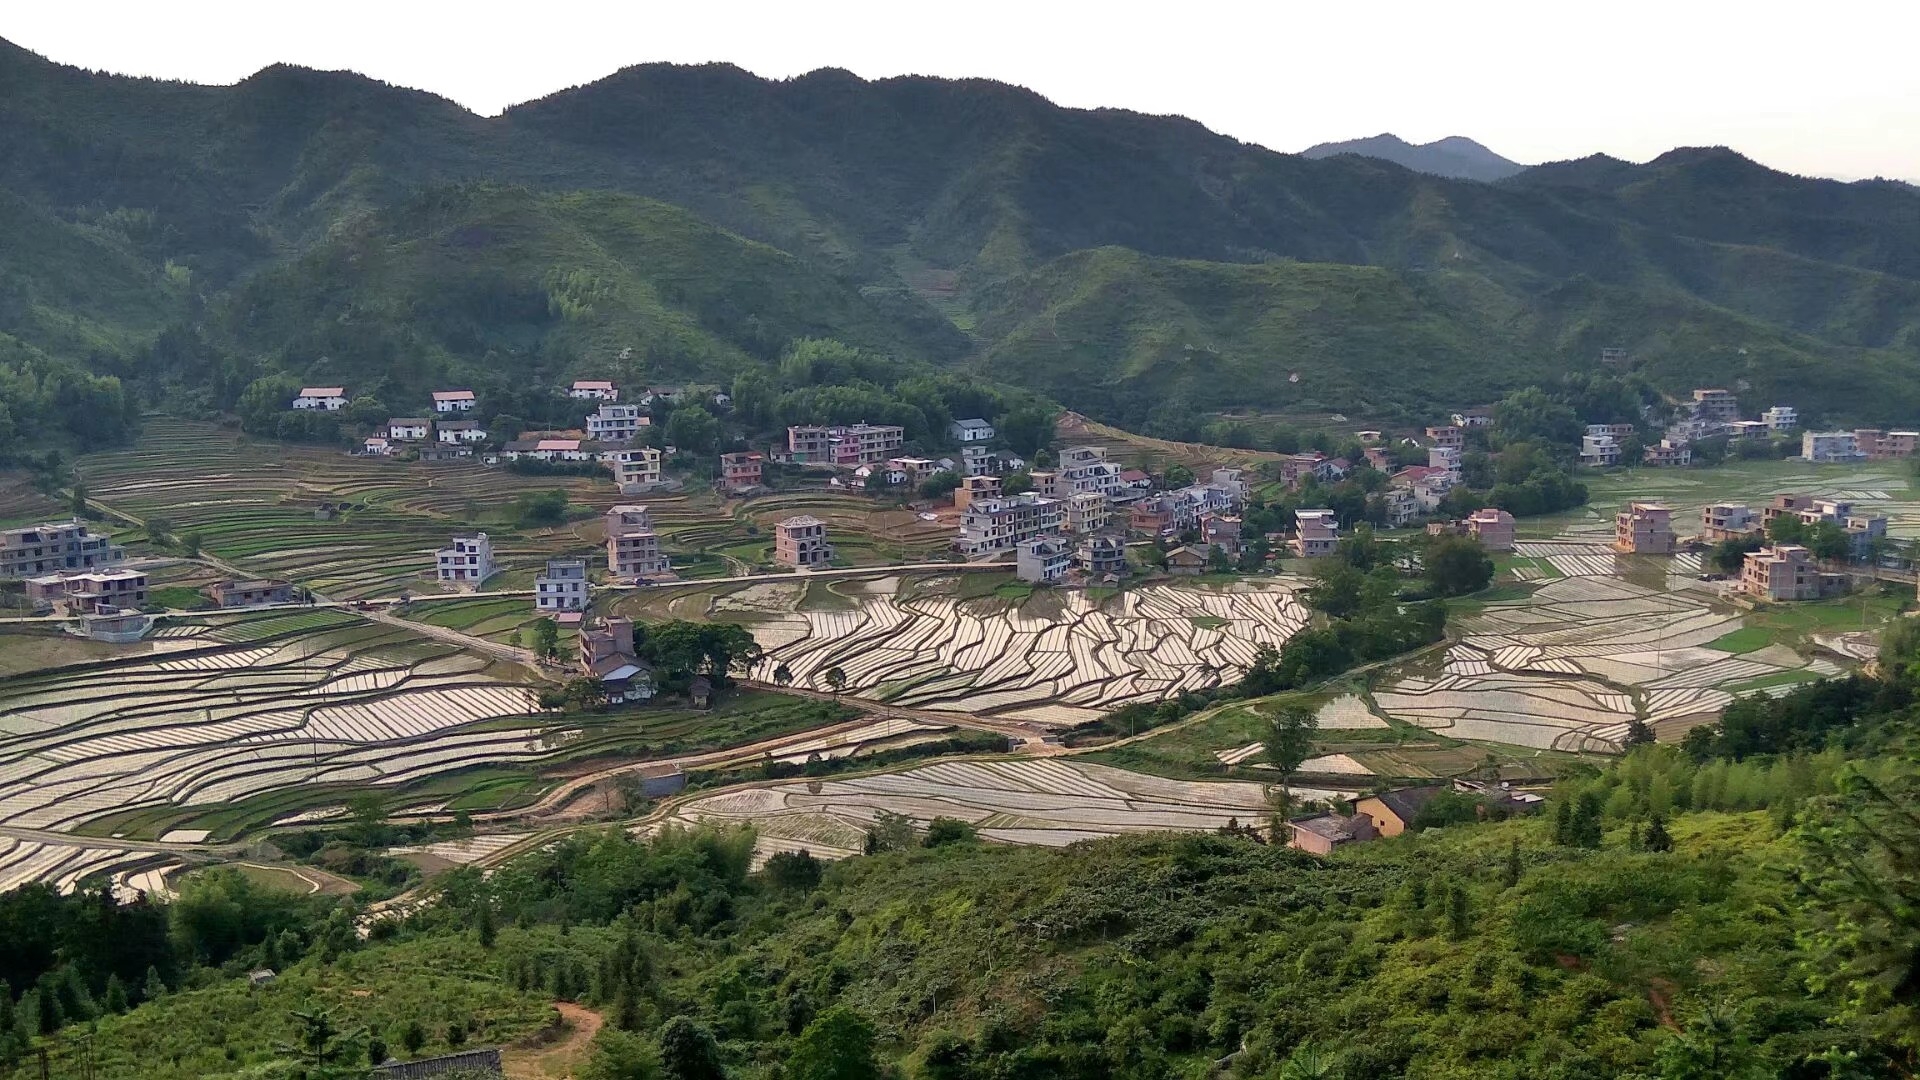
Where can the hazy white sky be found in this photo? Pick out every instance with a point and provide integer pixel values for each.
(1829, 89)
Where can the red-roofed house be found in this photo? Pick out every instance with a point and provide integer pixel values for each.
(452, 401)
(326, 398)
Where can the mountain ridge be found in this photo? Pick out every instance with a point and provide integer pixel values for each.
(1455, 156)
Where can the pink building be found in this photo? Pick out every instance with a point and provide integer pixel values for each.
(1493, 527)
(1644, 528)
(741, 470)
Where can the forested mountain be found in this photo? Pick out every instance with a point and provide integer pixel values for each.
(324, 225)
(1456, 156)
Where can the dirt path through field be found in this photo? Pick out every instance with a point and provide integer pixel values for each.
(555, 1060)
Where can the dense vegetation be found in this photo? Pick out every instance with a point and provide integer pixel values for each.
(688, 224)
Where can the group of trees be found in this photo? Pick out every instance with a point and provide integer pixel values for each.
(43, 400)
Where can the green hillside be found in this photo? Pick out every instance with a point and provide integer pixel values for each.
(317, 222)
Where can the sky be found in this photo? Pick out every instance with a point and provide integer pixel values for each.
(1828, 89)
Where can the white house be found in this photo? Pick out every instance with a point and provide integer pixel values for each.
(327, 398)
(452, 401)
(458, 432)
(469, 560)
(593, 390)
(408, 428)
(616, 423)
(562, 587)
(377, 446)
(970, 431)
(1830, 446)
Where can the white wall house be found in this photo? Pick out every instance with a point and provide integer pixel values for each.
(467, 561)
(562, 587)
(970, 431)
(326, 398)
(408, 428)
(458, 432)
(593, 390)
(452, 401)
(616, 423)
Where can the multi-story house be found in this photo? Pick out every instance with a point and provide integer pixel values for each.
(1402, 506)
(1316, 533)
(1787, 572)
(1444, 457)
(1785, 504)
(634, 468)
(801, 542)
(249, 593)
(1493, 527)
(467, 561)
(1728, 521)
(409, 428)
(911, 470)
(1100, 555)
(974, 488)
(1232, 481)
(607, 656)
(1599, 451)
(1862, 529)
(991, 525)
(324, 398)
(1042, 560)
(31, 550)
(1296, 468)
(90, 592)
(1829, 446)
(970, 431)
(1472, 418)
(1719, 406)
(1879, 445)
(562, 586)
(1446, 435)
(1087, 512)
(810, 443)
(460, 432)
(452, 401)
(741, 470)
(1780, 419)
(614, 422)
(1221, 531)
(1748, 430)
(977, 460)
(1154, 516)
(1644, 528)
(1379, 457)
(1618, 431)
(1667, 453)
(633, 548)
(1086, 468)
(866, 444)
(593, 390)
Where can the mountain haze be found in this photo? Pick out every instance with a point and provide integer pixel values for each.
(1455, 156)
(325, 225)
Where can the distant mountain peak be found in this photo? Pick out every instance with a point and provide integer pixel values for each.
(1455, 156)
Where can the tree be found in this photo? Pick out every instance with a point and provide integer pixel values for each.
(782, 675)
(546, 637)
(153, 987)
(190, 544)
(1016, 483)
(940, 485)
(317, 1041)
(1459, 912)
(1457, 565)
(693, 430)
(836, 678)
(1290, 739)
(1176, 475)
(377, 1050)
(838, 1045)
(1829, 541)
(413, 1037)
(889, 832)
(483, 927)
(1638, 734)
(1307, 1062)
(943, 830)
(621, 1055)
(1027, 428)
(116, 1001)
(688, 1052)
(1657, 838)
(796, 870)
(1530, 414)
(1510, 874)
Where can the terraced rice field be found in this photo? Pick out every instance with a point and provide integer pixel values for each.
(1057, 657)
(65, 865)
(238, 707)
(1569, 666)
(1052, 803)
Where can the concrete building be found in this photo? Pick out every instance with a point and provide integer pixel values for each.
(1444, 457)
(1880, 445)
(801, 542)
(1447, 435)
(1493, 527)
(593, 390)
(1086, 468)
(1719, 406)
(741, 470)
(977, 460)
(90, 592)
(377, 446)
(466, 561)
(31, 550)
(1644, 528)
(810, 444)
(1103, 555)
(633, 548)
(1728, 521)
(1787, 572)
(1830, 446)
(614, 422)
(1469, 418)
(991, 525)
(1042, 560)
(1086, 512)
(1785, 504)
(1316, 533)
(1667, 453)
(1186, 561)
(1781, 419)
(1221, 531)
(974, 488)
(453, 401)
(1599, 451)
(1394, 812)
(635, 468)
(562, 586)
(460, 432)
(550, 449)
(324, 398)
(607, 656)
(1322, 833)
(1402, 506)
(250, 592)
(1748, 430)
(864, 444)
(970, 431)
(409, 428)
